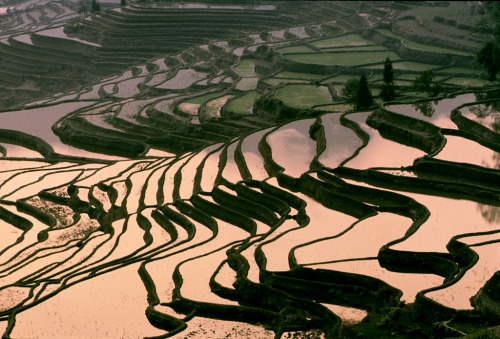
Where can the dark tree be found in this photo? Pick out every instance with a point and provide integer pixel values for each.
(387, 93)
(95, 7)
(364, 98)
(123, 2)
(350, 91)
(388, 72)
(425, 83)
(488, 56)
(83, 8)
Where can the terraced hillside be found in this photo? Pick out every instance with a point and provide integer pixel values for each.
(191, 170)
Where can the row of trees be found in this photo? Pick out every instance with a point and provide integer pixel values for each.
(358, 93)
(84, 8)
(488, 56)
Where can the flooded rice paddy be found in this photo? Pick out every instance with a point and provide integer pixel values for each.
(158, 202)
(176, 221)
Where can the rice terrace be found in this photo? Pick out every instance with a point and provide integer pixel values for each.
(249, 169)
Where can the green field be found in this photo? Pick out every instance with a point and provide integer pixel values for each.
(434, 49)
(372, 48)
(342, 59)
(338, 108)
(344, 40)
(460, 70)
(297, 75)
(243, 104)
(303, 96)
(474, 82)
(421, 47)
(412, 76)
(341, 78)
(387, 33)
(281, 81)
(375, 77)
(406, 66)
(246, 68)
(246, 84)
(295, 49)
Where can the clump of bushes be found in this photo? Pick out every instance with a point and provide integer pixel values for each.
(425, 83)
(275, 110)
(358, 93)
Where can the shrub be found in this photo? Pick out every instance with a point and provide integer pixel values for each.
(95, 6)
(272, 109)
(356, 92)
(83, 8)
(388, 72)
(387, 93)
(350, 91)
(425, 83)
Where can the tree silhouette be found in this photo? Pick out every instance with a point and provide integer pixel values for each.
(425, 83)
(83, 8)
(489, 57)
(387, 93)
(350, 91)
(489, 27)
(95, 7)
(388, 72)
(364, 98)
(425, 107)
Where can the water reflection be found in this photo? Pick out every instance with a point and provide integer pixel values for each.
(482, 111)
(435, 112)
(426, 108)
(490, 213)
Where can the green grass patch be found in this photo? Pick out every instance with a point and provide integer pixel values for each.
(296, 49)
(356, 49)
(412, 96)
(344, 40)
(456, 10)
(280, 82)
(303, 96)
(406, 76)
(460, 70)
(246, 84)
(402, 83)
(412, 76)
(422, 47)
(375, 77)
(246, 68)
(339, 108)
(406, 66)
(338, 89)
(427, 48)
(202, 98)
(342, 59)
(387, 33)
(341, 78)
(297, 75)
(466, 81)
(243, 104)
